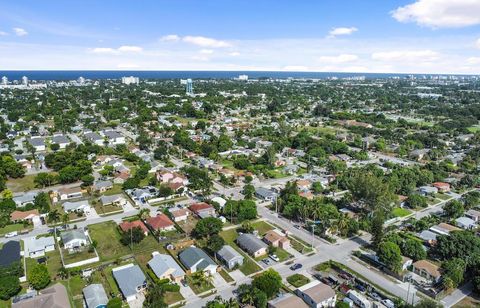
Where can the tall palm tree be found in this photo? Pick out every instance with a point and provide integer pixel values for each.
(65, 219)
(342, 225)
(54, 216)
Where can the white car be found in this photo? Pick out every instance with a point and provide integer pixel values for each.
(11, 234)
(388, 303)
(274, 258)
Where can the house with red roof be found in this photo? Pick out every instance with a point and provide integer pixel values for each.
(441, 186)
(127, 225)
(202, 209)
(161, 222)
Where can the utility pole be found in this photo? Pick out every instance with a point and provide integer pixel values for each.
(313, 234)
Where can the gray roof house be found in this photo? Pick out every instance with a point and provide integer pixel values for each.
(76, 206)
(73, 239)
(61, 140)
(102, 185)
(26, 198)
(230, 256)
(112, 199)
(465, 223)
(130, 280)
(195, 259)
(265, 194)
(165, 267)
(95, 296)
(252, 244)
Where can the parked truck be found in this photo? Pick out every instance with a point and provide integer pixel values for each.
(359, 299)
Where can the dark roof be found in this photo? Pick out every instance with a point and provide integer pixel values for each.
(10, 253)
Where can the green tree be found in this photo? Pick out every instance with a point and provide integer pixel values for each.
(389, 254)
(38, 276)
(269, 282)
(9, 286)
(248, 191)
(414, 249)
(453, 209)
(454, 270)
(155, 297)
(133, 236)
(207, 227)
(215, 243)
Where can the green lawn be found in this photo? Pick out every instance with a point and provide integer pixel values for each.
(11, 228)
(226, 276)
(249, 266)
(74, 257)
(198, 289)
(116, 189)
(442, 196)
(21, 184)
(297, 280)
(400, 212)
(262, 227)
(173, 297)
(108, 240)
(107, 209)
(298, 246)
(474, 129)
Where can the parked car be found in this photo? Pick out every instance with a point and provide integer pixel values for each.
(296, 266)
(11, 234)
(360, 288)
(388, 303)
(375, 296)
(274, 258)
(296, 226)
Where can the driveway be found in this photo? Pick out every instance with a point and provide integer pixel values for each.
(218, 280)
(188, 294)
(237, 275)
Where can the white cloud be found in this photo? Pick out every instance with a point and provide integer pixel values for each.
(341, 31)
(406, 56)
(206, 42)
(127, 48)
(206, 51)
(473, 60)
(343, 58)
(127, 65)
(234, 54)
(170, 38)
(477, 43)
(2, 33)
(20, 31)
(116, 51)
(440, 13)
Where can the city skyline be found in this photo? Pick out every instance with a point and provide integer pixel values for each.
(412, 36)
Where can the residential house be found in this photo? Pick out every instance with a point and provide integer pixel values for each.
(265, 194)
(442, 187)
(161, 222)
(125, 226)
(24, 199)
(95, 296)
(251, 244)
(117, 200)
(37, 247)
(102, 186)
(38, 143)
(77, 206)
(61, 140)
(220, 201)
(69, 193)
(195, 259)
(114, 137)
(178, 214)
(277, 239)
(121, 178)
(317, 294)
(427, 190)
(95, 138)
(165, 267)
(466, 223)
(427, 270)
(73, 239)
(287, 300)
(230, 256)
(55, 296)
(130, 280)
(473, 214)
(203, 210)
(429, 237)
(443, 228)
(10, 253)
(30, 216)
(165, 176)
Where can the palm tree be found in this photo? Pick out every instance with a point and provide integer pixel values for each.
(54, 216)
(342, 224)
(65, 219)
(144, 214)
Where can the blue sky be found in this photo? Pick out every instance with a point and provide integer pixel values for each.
(409, 36)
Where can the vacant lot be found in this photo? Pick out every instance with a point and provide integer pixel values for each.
(108, 240)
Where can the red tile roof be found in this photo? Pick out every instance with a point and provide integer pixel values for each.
(196, 207)
(18, 215)
(161, 221)
(127, 225)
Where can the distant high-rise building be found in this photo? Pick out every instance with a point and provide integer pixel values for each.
(189, 86)
(25, 80)
(130, 80)
(4, 80)
(243, 77)
(81, 80)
